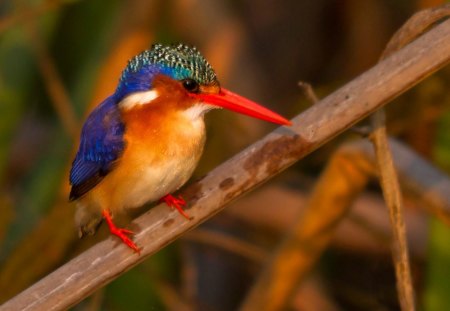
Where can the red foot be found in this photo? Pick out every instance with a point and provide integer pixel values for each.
(120, 232)
(177, 203)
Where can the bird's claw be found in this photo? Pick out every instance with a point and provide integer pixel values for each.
(123, 235)
(124, 231)
(177, 203)
(120, 232)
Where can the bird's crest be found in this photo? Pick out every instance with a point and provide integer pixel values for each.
(178, 61)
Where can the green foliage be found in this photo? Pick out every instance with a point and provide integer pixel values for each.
(16, 71)
(436, 296)
(132, 292)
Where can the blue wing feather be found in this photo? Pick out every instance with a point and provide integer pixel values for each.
(101, 145)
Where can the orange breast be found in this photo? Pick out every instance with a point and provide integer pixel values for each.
(162, 150)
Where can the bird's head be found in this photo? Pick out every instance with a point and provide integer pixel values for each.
(179, 75)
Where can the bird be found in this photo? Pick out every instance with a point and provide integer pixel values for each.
(143, 142)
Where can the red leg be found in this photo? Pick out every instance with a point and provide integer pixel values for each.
(177, 203)
(120, 232)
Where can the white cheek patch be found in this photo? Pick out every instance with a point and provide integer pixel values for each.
(197, 110)
(138, 98)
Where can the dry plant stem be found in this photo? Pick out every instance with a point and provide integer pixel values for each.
(392, 195)
(308, 91)
(367, 224)
(256, 164)
(413, 28)
(291, 261)
(427, 183)
(274, 286)
(343, 179)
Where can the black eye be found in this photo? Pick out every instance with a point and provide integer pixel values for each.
(191, 85)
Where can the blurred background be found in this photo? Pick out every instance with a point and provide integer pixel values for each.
(59, 58)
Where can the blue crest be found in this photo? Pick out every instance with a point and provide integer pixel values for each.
(178, 61)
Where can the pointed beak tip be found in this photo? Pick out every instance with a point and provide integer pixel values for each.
(229, 100)
(280, 121)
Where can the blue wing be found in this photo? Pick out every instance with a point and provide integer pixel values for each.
(101, 145)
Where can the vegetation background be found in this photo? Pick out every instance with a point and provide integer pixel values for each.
(58, 59)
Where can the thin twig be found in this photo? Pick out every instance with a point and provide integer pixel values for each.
(293, 258)
(344, 177)
(368, 225)
(388, 176)
(428, 184)
(308, 91)
(256, 164)
(393, 197)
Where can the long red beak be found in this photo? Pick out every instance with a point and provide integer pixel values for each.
(232, 101)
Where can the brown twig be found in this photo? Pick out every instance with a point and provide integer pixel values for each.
(419, 23)
(343, 179)
(393, 197)
(427, 184)
(253, 166)
(292, 258)
(308, 91)
(323, 217)
(367, 223)
(414, 27)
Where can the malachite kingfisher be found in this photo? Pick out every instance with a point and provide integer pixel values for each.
(143, 142)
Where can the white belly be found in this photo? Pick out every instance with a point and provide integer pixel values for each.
(148, 182)
(152, 183)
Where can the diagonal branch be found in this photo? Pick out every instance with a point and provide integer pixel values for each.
(259, 162)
